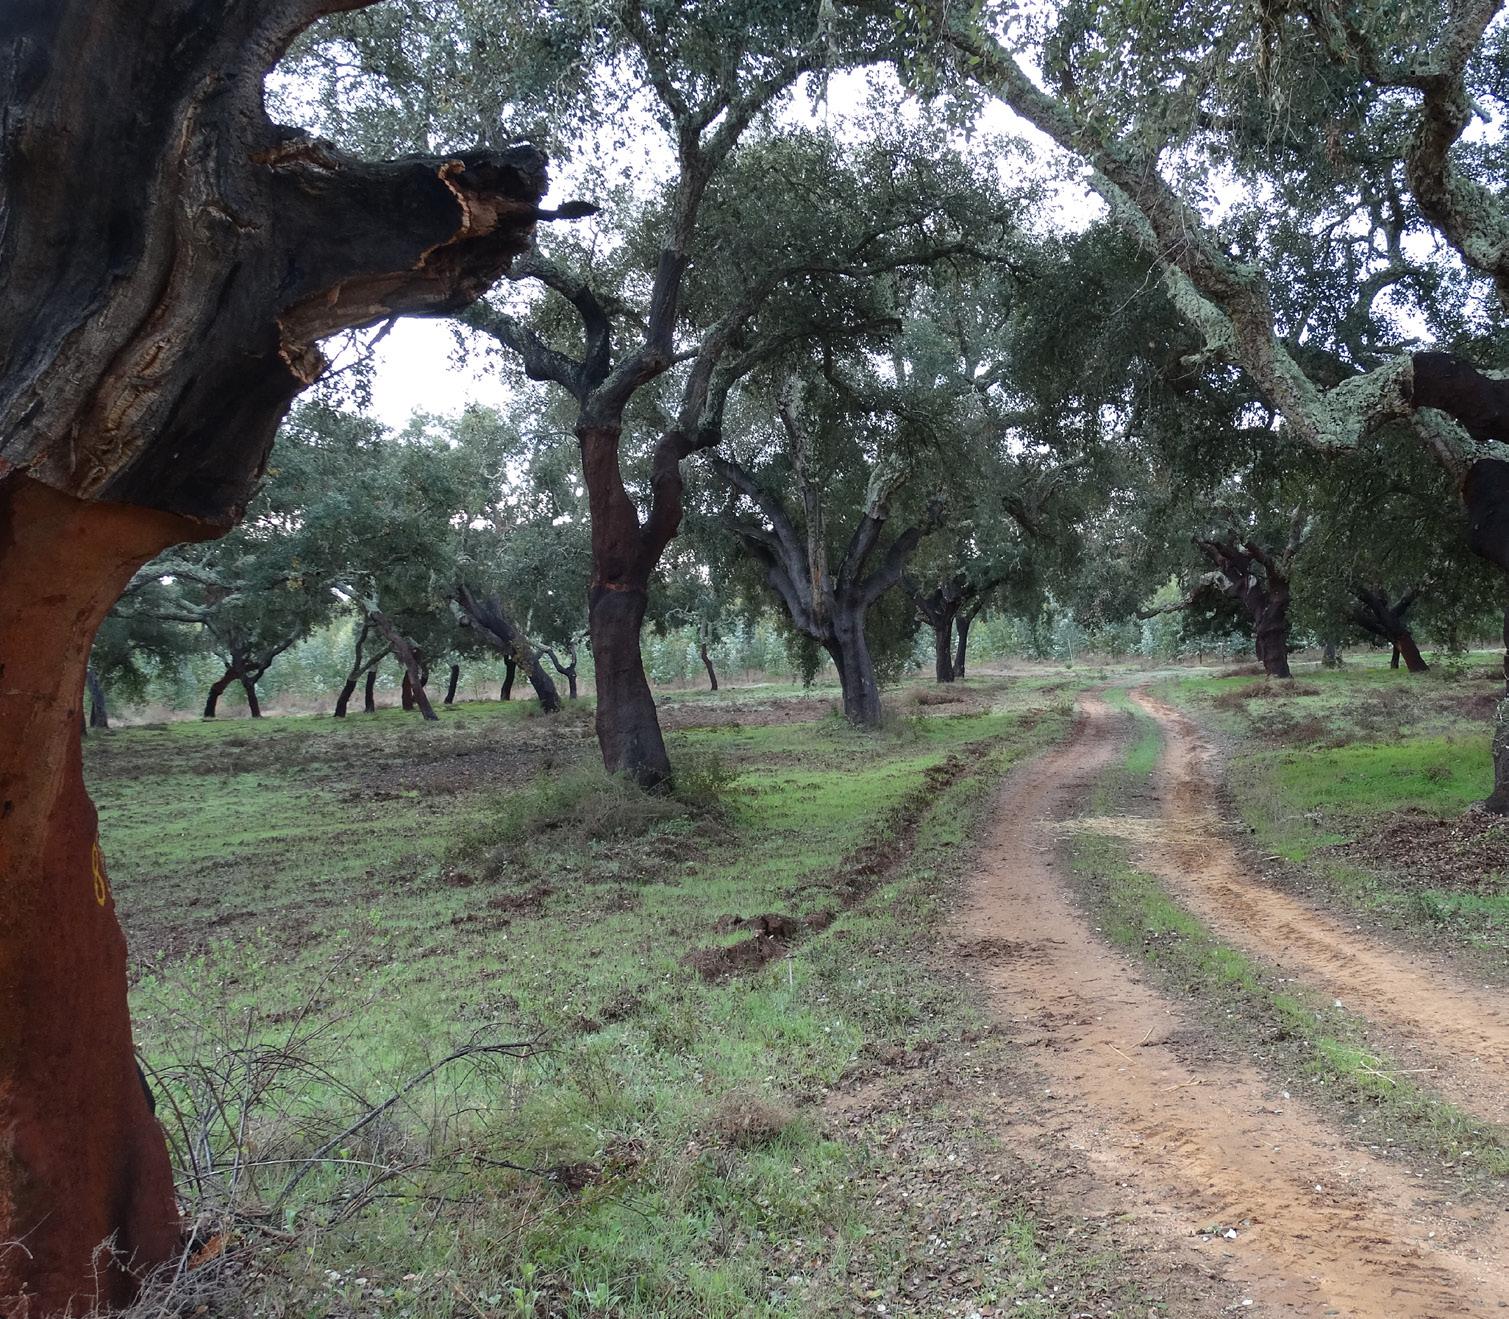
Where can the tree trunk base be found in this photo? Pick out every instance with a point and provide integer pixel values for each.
(82, 1159)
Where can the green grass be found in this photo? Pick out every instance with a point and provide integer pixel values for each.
(1292, 1030)
(319, 911)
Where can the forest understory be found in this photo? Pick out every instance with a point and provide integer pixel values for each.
(1079, 992)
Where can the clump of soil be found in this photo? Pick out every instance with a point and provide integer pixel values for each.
(773, 936)
(747, 1120)
(1267, 690)
(1467, 854)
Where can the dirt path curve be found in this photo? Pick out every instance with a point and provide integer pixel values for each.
(1322, 1228)
(1459, 1030)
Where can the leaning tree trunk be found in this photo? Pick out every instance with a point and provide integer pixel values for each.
(344, 699)
(1414, 662)
(1393, 659)
(217, 690)
(82, 1159)
(405, 653)
(707, 663)
(249, 686)
(99, 716)
(450, 689)
(962, 625)
(856, 670)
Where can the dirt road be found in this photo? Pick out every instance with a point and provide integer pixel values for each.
(1457, 1030)
(1319, 1226)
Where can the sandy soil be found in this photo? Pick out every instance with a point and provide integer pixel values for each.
(1458, 1030)
(1305, 1223)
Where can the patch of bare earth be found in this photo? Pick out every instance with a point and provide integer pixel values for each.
(1304, 1223)
(1468, 854)
(1458, 1029)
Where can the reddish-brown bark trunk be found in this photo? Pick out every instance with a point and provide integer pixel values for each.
(628, 728)
(1404, 645)
(82, 1159)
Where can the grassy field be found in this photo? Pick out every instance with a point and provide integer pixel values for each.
(646, 1005)
(1362, 781)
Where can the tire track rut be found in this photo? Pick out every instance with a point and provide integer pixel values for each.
(1323, 1228)
(1461, 1031)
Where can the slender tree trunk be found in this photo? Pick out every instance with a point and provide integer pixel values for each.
(1330, 656)
(406, 692)
(962, 624)
(571, 679)
(943, 659)
(217, 690)
(344, 699)
(707, 663)
(1404, 644)
(510, 672)
(82, 1159)
(99, 716)
(1506, 650)
(369, 698)
(249, 686)
(856, 670)
(628, 729)
(450, 689)
(1393, 660)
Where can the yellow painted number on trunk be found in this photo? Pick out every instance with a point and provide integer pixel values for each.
(101, 884)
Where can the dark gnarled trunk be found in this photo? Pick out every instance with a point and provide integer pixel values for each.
(343, 701)
(450, 687)
(850, 650)
(171, 261)
(1384, 619)
(489, 621)
(217, 690)
(510, 672)
(369, 696)
(707, 663)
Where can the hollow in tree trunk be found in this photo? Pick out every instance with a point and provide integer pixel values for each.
(99, 716)
(217, 690)
(450, 689)
(82, 1159)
